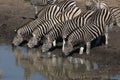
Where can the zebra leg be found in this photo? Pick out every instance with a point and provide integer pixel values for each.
(106, 39)
(106, 36)
(54, 43)
(81, 50)
(88, 45)
(63, 46)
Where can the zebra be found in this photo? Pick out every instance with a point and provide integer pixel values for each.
(64, 5)
(41, 30)
(27, 29)
(47, 26)
(82, 35)
(56, 32)
(48, 13)
(52, 36)
(115, 11)
(77, 22)
(95, 28)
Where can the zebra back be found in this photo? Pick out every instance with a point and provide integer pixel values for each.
(66, 4)
(101, 17)
(49, 12)
(62, 7)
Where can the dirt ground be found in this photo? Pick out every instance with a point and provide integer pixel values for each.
(12, 11)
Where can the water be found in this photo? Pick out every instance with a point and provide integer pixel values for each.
(21, 63)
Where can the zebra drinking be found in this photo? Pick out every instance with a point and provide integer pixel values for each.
(56, 32)
(95, 28)
(27, 29)
(49, 12)
(45, 28)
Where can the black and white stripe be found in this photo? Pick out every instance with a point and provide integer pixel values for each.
(41, 30)
(115, 11)
(52, 36)
(27, 29)
(82, 35)
(78, 21)
(75, 23)
(96, 4)
(48, 25)
(56, 32)
(66, 4)
(96, 27)
(48, 13)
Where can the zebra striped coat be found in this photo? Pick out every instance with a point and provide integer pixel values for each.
(64, 5)
(56, 32)
(28, 28)
(90, 31)
(47, 14)
(63, 17)
(115, 12)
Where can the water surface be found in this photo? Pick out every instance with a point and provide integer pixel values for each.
(21, 63)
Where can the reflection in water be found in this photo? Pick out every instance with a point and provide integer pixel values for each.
(116, 77)
(53, 68)
(31, 64)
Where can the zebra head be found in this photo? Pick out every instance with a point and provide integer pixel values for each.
(68, 48)
(33, 41)
(18, 39)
